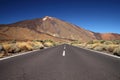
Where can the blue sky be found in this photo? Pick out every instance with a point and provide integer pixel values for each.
(94, 15)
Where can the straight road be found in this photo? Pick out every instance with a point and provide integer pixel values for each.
(62, 62)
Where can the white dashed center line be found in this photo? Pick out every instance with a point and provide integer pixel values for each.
(63, 53)
(64, 47)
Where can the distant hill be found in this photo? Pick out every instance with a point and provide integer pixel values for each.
(50, 28)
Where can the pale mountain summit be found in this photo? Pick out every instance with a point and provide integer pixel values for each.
(50, 28)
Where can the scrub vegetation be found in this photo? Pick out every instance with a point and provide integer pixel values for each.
(8, 48)
(111, 47)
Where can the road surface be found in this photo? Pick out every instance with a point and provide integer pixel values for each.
(62, 62)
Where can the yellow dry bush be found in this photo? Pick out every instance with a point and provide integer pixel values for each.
(24, 46)
(83, 45)
(14, 49)
(29, 47)
(96, 45)
(99, 48)
(96, 41)
(1, 55)
(48, 44)
(6, 47)
(108, 42)
(117, 51)
(30, 43)
(38, 45)
(110, 48)
(89, 46)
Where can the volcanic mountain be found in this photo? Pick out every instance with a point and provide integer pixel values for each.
(50, 28)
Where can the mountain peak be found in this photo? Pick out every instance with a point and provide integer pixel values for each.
(47, 17)
(50, 28)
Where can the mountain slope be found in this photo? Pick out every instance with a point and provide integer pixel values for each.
(110, 36)
(49, 28)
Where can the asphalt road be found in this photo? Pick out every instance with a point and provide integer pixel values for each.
(62, 62)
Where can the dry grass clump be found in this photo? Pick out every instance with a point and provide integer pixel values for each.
(24, 46)
(1, 48)
(100, 47)
(116, 42)
(112, 47)
(80, 43)
(75, 42)
(28, 46)
(48, 43)
(1, 54)
(38, 45)
(95, 45)
(108, 42)
(14, 49)
(6, 48)
(89, 46)
(10, 47)
(1, 51)
(117, 51)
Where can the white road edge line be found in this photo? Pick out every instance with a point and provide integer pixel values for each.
(102, 53)
(63, 53)
(17, 55)
(105, 53)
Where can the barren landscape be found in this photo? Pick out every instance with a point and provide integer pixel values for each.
(35, 34)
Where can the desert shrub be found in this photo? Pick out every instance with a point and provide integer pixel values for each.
(78, 45)
(95, 45)
(1, 51)
(117, 51)
(108, 42)
(99, 48)
(48, 44)
(110, 48)
(1, 48)
(14, 49)
(76, 42)
(96, 41)
(10, 48)
(1, 54)
(24, 46)
(40, 41)
(90, 42)
(33, 41)
(38, 45)
(83, 45)
(89, 46)
(48, 41)
(6, 47)
(102, 41)
(116, 42)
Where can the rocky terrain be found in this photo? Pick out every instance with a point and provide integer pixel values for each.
(50, 28)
